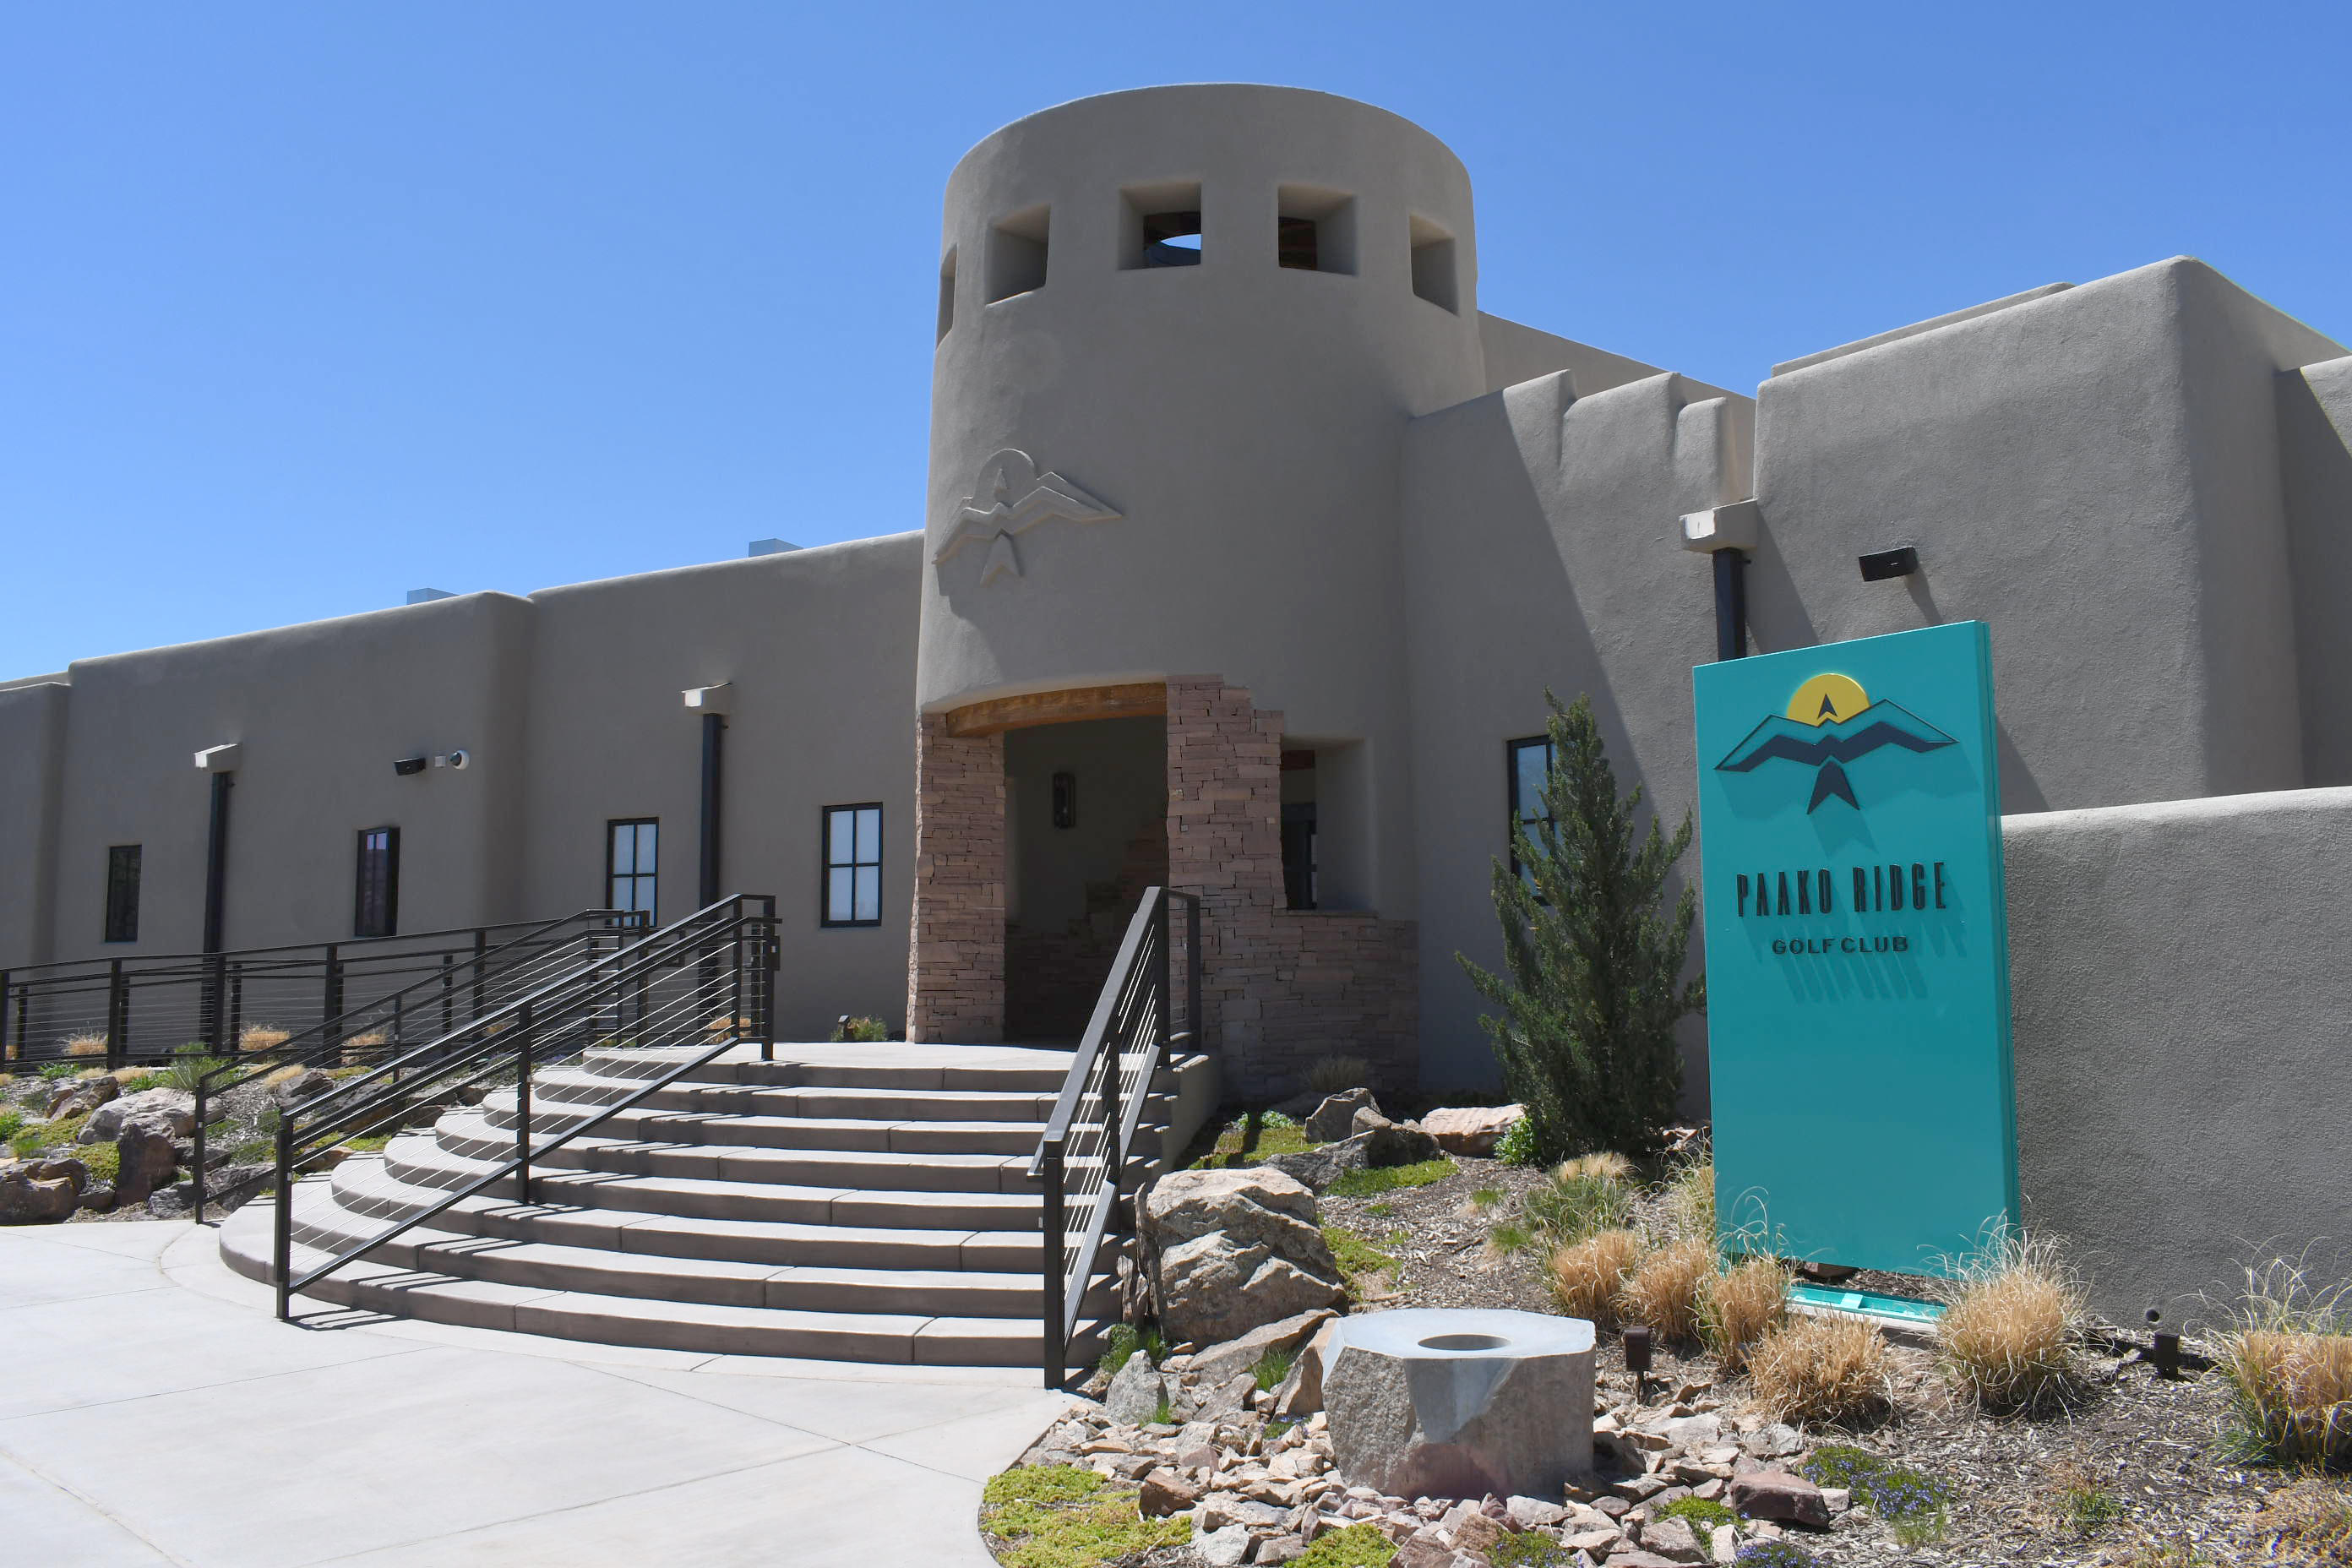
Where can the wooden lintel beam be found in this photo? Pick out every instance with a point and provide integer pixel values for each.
(1147, 699)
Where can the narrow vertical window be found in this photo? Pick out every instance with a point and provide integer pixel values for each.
(632, 855)
(122, 892)
(376, 904)
(853, 865)
(1530, 762)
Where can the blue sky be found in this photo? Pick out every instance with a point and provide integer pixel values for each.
(301, 307)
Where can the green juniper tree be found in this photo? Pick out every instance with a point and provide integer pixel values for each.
(1585, 1030)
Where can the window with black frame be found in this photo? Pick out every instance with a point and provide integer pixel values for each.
(375, 902)
(122, 892)
(1530, 762)
(632, 861)
(853, 865)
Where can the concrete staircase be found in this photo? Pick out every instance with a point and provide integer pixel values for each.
(843, 1202)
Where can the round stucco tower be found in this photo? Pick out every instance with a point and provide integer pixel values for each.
(1210, 310)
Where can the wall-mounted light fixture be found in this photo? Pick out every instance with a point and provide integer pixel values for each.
(1065, 800)
(1727, 533)
(1880, 564)
(716, 698)
(407, 767)
(220, 759)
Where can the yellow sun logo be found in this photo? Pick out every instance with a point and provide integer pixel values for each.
(1826, 699)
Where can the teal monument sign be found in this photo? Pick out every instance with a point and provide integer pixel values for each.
(1857, 949)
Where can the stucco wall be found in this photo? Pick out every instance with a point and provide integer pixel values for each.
(1540, 552)
(2183, 1019)
(32, 746)
(2315, 434)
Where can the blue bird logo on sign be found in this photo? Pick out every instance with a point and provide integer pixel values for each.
(1831, 721)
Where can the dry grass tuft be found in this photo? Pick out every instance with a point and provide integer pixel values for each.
(2012, 1319)
(85, 1045)
(1606, 1166)
(1690, 1200)
(1587, 1275)
(2312, 1521)
(1826, 1371)
(1331, 1075)
(1664, 1292)
(261, 1038)
(284, 1075)
(726, 1028)
(2289, 1362)
(1740, 1306)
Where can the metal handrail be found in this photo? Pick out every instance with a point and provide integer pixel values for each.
(334, 1035)
(1130, 1023)
(516, 1037)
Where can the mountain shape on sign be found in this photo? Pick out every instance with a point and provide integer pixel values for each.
(1829, 746)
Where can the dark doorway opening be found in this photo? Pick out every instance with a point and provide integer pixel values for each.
(1087, 831)
(1298, 828)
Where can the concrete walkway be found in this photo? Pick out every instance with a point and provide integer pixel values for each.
(151, 1410)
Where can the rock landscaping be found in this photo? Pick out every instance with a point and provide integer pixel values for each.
(88, 1144)
(1913, 1451)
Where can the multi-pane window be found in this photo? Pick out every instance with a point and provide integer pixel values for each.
(375, 902)
(853, 865)
(122, 892)
(632, 849)
(1530, 761)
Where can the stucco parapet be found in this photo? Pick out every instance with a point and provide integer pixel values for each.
(2285, 805)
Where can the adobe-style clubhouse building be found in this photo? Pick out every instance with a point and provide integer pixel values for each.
(1251, 548)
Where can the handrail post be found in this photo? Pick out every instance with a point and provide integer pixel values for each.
(522, 1111)
(3, 1020)
(448, 999)
(236, 1005)
(197, 1172)
(735, 985)
(216, 1000)
(118, 1012)
(770, 964)
(1055, 1348)
(330, 1001)
(282, 1222)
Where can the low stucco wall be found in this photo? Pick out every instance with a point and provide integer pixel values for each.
(2183, 1013)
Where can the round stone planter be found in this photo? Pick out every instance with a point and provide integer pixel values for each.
(1429, 1402)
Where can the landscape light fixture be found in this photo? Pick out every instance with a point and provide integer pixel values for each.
(1637, 1351)
(2166, 1354)
(1880, 564)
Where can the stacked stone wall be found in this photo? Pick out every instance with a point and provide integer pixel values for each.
(1280, 988)
(955, 987)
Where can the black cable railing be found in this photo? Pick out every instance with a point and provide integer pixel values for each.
(143, 1008)
(707, 982)
(451, 992)
(1081, 1160)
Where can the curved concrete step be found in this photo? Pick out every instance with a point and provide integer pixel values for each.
(896, 1065)
(646, 1125)
(889, 1105)
(702, 1327)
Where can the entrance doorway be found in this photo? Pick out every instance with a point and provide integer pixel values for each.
(1085, 818)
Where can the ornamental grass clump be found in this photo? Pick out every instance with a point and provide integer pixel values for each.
(2012, 1317)
(1663, 1293)
(1690, 1199)
(257, 1037)
(1583, 1197)
(1586, 1277)
(1741, 1305)
(2289, 1362)
(1331, 1075)
(1830, 1372)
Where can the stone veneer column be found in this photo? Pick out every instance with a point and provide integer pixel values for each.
(1280, 988)
(955, 982)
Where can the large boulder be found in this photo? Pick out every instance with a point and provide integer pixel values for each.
(1472, 1130)
(1425, 1402)
(147, 1159)
(27, 1199)
(307, 1084)
(1236, 1250)
(1136, 1392)
(1335, 1118)
(79, 1097)
(173, 1110)
(1219, 1363)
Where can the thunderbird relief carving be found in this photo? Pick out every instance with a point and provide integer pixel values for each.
(1009, 498)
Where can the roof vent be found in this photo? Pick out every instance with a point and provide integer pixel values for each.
(771, 546)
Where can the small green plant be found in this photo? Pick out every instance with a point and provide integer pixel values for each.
(1917, 1507)
(1531, 1549)
(1389, 1178)
(2082, 1510)
(1518, 1146)
(1381, 1210)
(1163, 1414)
(1249, 1138)
(860, 1031)
(1575, 1203)
(104, 1160)
(41, 1136)
(1272, 1368)
(56, 1070)
(1485, 1198)
(1774, 1554)
(11, 1120)
(1356, 1546)
(1357, 1258)
(138, 1083)
(1055, 1516)
(1704, 1513)
(1120, 1346)
(189, 1063)
(1842, 1465)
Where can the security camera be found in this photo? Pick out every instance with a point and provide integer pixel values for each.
(459, 759)
(407, 766)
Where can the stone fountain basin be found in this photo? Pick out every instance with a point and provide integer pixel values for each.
(1460, 1403)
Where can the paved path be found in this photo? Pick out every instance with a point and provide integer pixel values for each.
(151, 1410)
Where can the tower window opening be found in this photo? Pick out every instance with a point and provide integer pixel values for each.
(1159, 226)
(1017, 253)
(1316, 229)
(946, 293)
(1434, 276)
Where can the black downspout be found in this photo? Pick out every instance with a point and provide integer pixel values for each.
(1730, 605)
(713, 728)
(215, 902)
